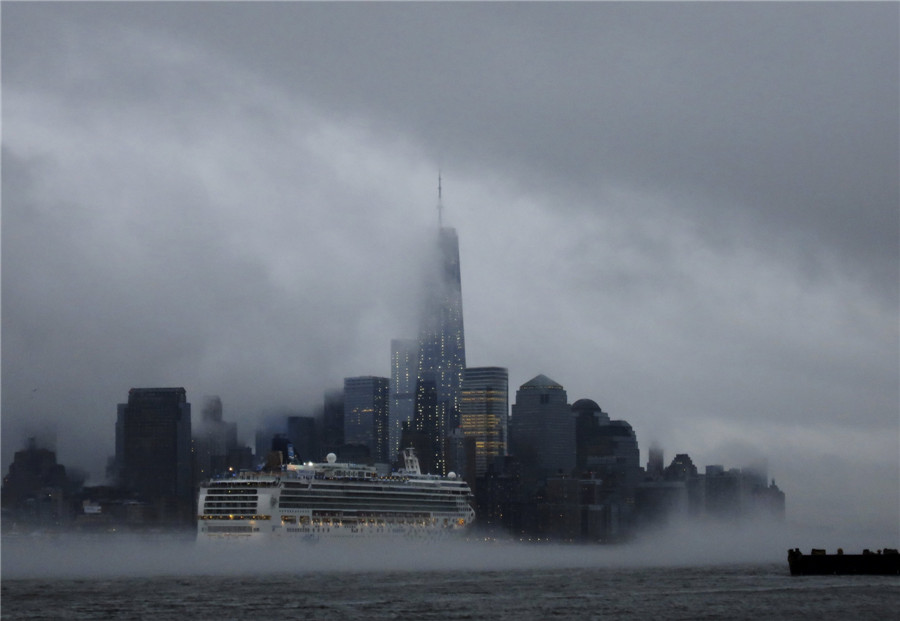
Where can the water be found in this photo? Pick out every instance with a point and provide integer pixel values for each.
(732, 592)
(166, 579)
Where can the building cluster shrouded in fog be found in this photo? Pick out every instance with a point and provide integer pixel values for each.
(543, 468)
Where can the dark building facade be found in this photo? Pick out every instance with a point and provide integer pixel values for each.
(502, 503)
(153, 449)
(542, 428)
(607, 451)
(301, 431)
(332, 423)
(366, 414)
(35, 490)
(606, 448)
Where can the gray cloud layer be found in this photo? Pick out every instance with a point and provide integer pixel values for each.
(687, 212)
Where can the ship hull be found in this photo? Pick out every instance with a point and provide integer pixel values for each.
(274, 528)
(818, 564)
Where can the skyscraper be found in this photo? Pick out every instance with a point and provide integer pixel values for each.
(402, 407)
(542, 427)
(301, 431)
(608, 449)
(484, 410)
(366, 414)
(332, 421)
(153, 446)
(442, 346)
(214, 439)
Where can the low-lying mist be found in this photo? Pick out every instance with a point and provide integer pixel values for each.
(109, 556)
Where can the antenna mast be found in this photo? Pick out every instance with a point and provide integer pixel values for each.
(440, 205)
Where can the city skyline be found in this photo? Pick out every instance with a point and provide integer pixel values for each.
(690, 220)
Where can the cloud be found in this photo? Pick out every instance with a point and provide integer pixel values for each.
(241, 255)
(691, 219)
(681, 545)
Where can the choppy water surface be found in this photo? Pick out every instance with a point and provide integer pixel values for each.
(732, 592)
(141, 580)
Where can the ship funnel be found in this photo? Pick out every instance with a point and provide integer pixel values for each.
(410, 461)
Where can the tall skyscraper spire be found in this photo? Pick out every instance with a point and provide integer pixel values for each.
(440, 204)
(442, 349)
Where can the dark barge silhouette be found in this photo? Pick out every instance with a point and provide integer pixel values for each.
(818, 563)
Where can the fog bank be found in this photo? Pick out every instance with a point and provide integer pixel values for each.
(74, 556)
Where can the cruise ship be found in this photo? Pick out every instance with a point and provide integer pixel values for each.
(331, 499)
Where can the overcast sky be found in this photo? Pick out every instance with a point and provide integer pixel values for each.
(685, 212)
